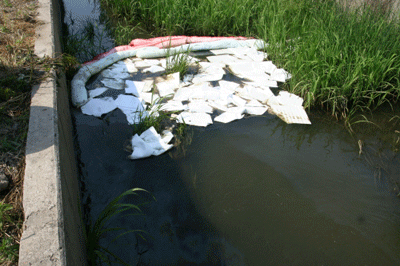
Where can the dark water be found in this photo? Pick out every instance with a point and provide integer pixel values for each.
(88, 33)
(252, 192)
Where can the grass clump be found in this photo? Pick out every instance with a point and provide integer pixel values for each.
(8, 246)
(153, 116)
(8, 250)
(178, 62)
(98, 254)
(151, 120)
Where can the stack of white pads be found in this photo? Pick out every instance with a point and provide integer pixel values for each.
(194, 99)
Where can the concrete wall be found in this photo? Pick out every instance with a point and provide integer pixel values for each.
(384, 5)
(53, 227)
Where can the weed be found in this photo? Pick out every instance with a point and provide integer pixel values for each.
(152, 117)
(8, 250)
(97, 253)
(4, 29)
(86, 43)
(181, 129)
(69, 64)
(182, 136)
(147, 121)
(178, 62)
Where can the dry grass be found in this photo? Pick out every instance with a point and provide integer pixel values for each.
(17, 32)
(19, 70)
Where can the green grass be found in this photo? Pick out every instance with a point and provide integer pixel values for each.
(346, 61)
(343, 60)
(98, 254)
(8, 248)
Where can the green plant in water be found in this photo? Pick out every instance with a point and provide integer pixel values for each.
(89, 31)
(86, 43)
(98, 254)
(69, 65)
(183, 138)
(178, 62)
(181, 129)
(152, 117)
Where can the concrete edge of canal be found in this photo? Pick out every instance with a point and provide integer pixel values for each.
(53, 231)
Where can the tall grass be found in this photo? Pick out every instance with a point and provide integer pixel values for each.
(345, 60)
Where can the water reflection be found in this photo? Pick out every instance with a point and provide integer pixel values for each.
(87, 34)
(291, 187)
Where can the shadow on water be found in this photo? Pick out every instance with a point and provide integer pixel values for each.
(176, 231)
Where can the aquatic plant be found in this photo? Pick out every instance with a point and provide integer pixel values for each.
(178, 62)
(84, 44)
(153, 116)
(97, 253)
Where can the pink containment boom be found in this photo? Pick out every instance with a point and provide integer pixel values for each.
(161, 42)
